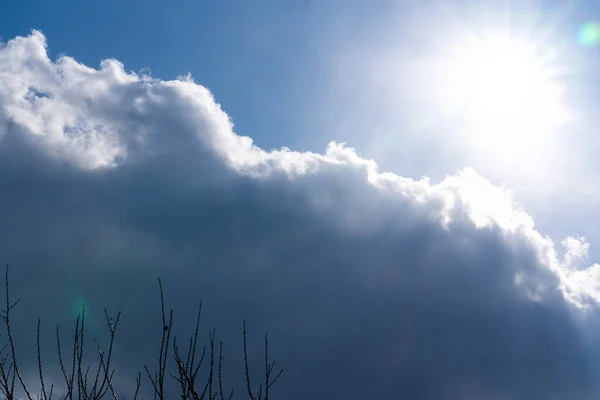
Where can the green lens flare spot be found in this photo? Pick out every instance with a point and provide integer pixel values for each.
(79, 304)
(589, 34)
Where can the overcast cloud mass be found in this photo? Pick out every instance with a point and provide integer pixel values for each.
(371, 285)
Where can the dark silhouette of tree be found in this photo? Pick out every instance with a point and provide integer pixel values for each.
(80, 385)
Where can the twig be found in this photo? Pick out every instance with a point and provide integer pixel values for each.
(248, 385)
(39, 359)
(6, 318)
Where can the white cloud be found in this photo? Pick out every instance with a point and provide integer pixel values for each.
(576, 251)
(111, 178)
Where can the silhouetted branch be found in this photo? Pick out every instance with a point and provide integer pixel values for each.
(268, 372)
(80, 386)
(158, 382)
(7, 377)
(6, 319)
(39, 357)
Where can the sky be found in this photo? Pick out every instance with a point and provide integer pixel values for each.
(402, 193)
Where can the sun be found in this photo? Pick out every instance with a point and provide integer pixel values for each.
(507, 90)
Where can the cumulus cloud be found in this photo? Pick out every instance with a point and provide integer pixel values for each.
(372, 285)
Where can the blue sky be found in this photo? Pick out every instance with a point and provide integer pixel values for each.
(236, 48)
(282, 50)
(447, 251)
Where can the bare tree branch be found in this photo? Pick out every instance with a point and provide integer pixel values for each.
(6, 318)
(39, 357)
(77, 380)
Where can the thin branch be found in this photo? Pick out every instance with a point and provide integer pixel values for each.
(220, 373)
(6, 318)
(159, 379)
(138, 381)
(62, 366)
(39, 359)
(248, 385)
(269, 369)
(75, 344)
(81, 384)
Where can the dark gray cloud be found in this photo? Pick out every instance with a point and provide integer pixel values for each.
(371, 285)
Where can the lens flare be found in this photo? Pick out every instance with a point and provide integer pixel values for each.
(588, 34)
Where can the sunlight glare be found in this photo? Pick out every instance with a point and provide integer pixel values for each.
(506, 91)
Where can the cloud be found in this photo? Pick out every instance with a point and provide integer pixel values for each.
(371, 285)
